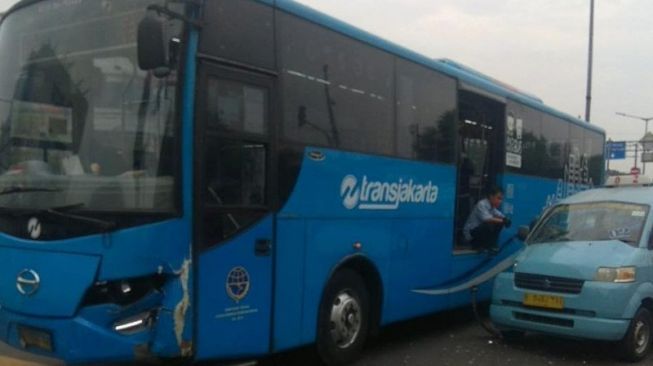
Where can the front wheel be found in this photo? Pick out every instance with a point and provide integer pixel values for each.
(636, 344)
(343, 320)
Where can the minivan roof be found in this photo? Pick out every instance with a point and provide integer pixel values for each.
(643, 195)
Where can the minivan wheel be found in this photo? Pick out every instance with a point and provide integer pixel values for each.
(343, 320)
(636, 344)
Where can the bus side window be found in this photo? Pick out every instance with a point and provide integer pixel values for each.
(650, 240)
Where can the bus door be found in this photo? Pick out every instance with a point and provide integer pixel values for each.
(235, 225)
(480, 146)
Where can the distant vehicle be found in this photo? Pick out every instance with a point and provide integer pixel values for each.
(587, 270)
(225, 179)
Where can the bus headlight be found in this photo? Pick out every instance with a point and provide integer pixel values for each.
(617, 275)
(135, 323)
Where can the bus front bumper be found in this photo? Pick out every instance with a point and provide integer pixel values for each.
(89, 337)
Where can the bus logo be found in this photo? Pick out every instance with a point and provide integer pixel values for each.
(237, 283)
(28, 282)
(34, 228)
(379, 195)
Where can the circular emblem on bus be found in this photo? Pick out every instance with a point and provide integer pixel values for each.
(28, 282)
(237, 283)
(34, 228)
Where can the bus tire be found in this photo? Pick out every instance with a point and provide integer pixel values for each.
(343, 318)
(636, 344)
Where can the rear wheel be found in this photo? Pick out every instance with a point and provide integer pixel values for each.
(636, 344)
(343, 320)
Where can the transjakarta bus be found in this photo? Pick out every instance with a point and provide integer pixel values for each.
(225, 179)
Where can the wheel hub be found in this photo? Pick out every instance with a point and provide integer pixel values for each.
(642, 336)
(345, 320)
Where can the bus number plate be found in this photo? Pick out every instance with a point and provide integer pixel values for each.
(544, 301)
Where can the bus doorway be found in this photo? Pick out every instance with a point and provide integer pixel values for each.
(479, 154)
(235, 224)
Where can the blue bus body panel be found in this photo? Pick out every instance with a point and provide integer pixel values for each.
(60, 273)
(234, 297)
(343, 198)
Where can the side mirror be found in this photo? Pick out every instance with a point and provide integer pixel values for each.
(152, 46)
(522, 232)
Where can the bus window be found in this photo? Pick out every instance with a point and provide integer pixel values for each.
(426, 103)
(337, 92)
(236, 155)
(556, 134)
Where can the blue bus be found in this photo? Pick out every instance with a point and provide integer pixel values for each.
(226, 179)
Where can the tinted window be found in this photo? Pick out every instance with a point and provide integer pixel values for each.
(236, 107)
(235, 173)
(337, 92)
(426, 107)
(556, 135)
(239, 30)
(594, 148)
(525, 145)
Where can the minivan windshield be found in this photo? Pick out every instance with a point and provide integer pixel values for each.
(79, 121)
(595, 221)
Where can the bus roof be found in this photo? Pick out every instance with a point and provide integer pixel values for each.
(454, 69)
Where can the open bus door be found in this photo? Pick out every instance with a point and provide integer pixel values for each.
(480, 153)
(235, 223)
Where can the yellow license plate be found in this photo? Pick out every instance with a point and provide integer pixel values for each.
(544, 301)
(34, 338)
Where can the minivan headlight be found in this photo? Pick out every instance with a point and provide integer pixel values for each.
(618, 275)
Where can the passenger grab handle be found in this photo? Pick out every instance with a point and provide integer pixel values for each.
(262, 247)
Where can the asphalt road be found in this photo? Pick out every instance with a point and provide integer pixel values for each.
(452, 338)
(455, 338)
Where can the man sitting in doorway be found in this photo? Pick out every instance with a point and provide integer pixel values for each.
(484, 224)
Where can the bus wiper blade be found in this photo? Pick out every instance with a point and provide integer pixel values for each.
(103, 225)
(18, 189)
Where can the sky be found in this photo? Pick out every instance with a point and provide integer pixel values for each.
(539, 46)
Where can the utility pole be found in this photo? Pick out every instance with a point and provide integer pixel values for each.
(588, 98)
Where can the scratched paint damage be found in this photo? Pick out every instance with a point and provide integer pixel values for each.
(182, 308)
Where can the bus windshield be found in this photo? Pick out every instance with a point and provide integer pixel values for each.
(595, 221)
(80, 123)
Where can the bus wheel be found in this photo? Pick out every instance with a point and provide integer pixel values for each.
(636, 344)
(344, 318)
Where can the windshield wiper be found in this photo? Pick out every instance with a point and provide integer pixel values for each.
(18, 189)
(103, 225)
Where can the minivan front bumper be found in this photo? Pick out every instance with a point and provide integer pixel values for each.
(596, 313)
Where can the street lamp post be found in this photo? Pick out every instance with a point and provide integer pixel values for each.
(588, 95)
(646, 121)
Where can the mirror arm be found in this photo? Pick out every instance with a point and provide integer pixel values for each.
(173, 15)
